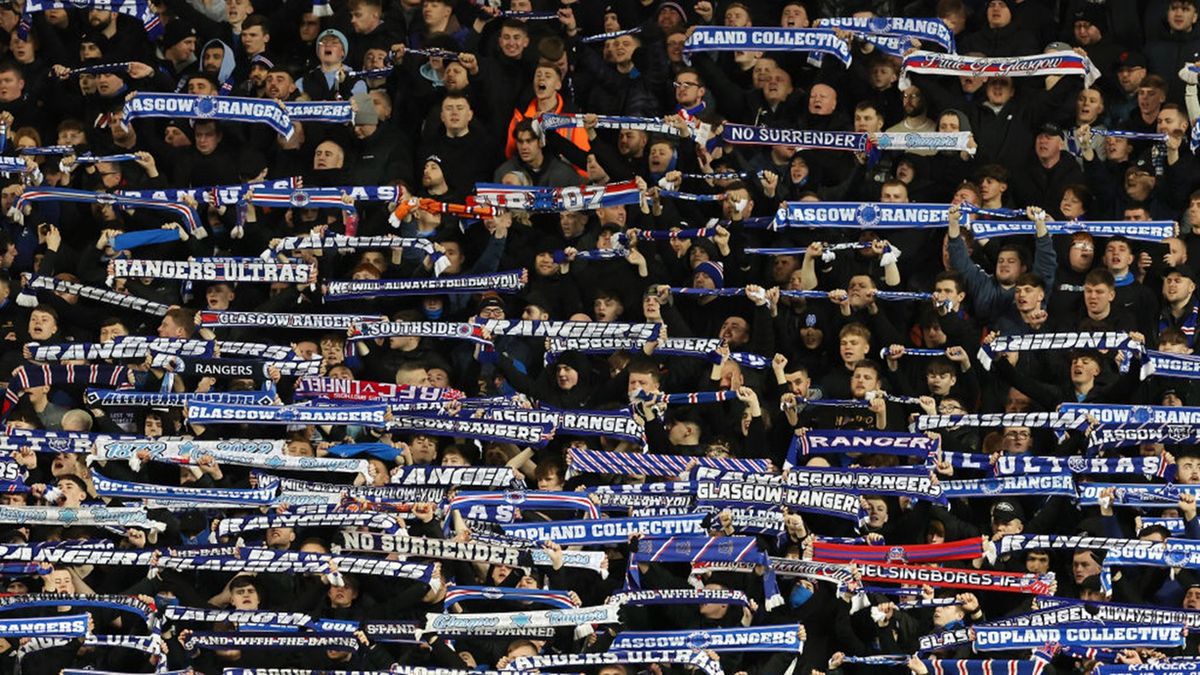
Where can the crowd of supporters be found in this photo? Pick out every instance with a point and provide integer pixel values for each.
(463, 104)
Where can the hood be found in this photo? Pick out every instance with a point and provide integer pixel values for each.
(228, 63)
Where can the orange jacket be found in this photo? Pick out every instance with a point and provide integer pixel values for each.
(577, 135)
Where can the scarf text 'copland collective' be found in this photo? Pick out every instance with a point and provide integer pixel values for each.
(725, 39)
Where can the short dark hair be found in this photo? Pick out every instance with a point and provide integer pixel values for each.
(265, 23)
(868, 363)
(1022, 254)
(525, 125)
(1100, 276)
(688, 70)
(996, 172)
(952, 276)
(644, 366)
(868, 103)
(515, 24)
(1031, 279)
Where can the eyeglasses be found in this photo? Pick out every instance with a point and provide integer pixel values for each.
(1022, 435)
(684, 85)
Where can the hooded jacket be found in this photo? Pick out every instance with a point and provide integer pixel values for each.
(228, 63)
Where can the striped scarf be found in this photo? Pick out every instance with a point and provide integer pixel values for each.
(25, 377)
(185, 213)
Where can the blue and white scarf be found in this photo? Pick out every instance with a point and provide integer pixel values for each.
(442, 549)
(1155, 230)
(815, 442)
(582, 460)
(535, 596)
(741, 134)
(1109, 437)
(1126, 613)
(333, 112)
(703, 549)
(501, 506)
(864, 215)
(551, 121)
(107, 487)
(379, 521)
(725, 39)
(619, 425)
(89, 158)
(61, 626)
(483, 624)
(222, 108)
(929, 30)
(135, 347)
(450, 476)
(1136, 494)
(1162, 364)
(1009, 486)
(1177, 666)
(323, 322)
(924, 140)
(604, 37)
(501, 282)
(607, 530)
(1119, 414)
(1117, 635)
(214, 269)
(95, 516)
(1017, 465)
(1173, 525)
(679, 596)
(102, 295)
(311, 242)
(337, 642)
(701, 661)
(185, 213)
(737, 494)
(914, 481)
(234, 368)
(694, 347)
(10, 165)
(267, 560)
(467, 427)
(176, 613)
(210, 413)
(256, 454)
(1034, 420)
(151, 399)
(754, 639)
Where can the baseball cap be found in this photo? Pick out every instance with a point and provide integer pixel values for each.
(1007, 510)
(1131, 59)
(1181, 270)
(1050, 129)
